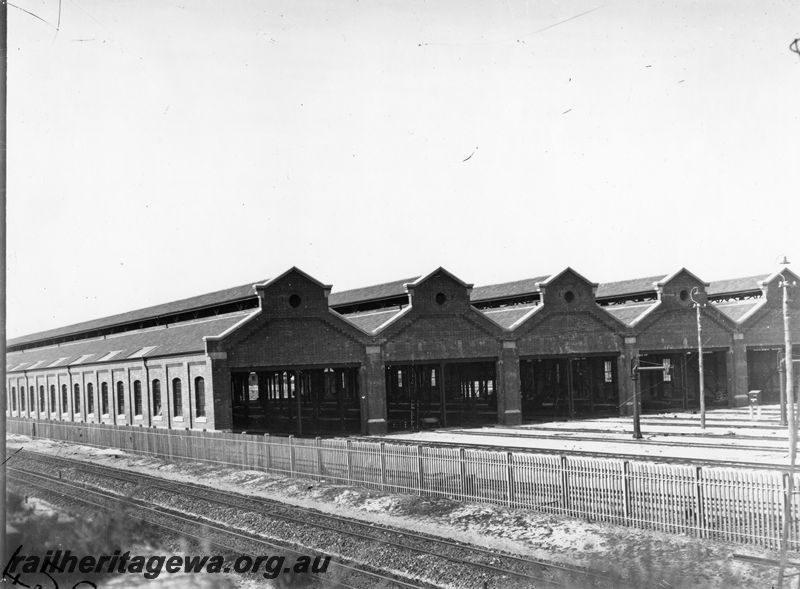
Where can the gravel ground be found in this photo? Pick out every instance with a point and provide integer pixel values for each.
(645, 558)
(306, 535)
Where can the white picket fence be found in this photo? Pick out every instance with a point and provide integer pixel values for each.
(740, 505)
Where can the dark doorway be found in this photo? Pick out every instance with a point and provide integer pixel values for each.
(317, 401)
(569, 387)
(679, 390)
(765, 372)
(442, 394)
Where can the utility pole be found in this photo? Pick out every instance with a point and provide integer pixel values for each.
(790, 414)
(788, 367)
(698, 306)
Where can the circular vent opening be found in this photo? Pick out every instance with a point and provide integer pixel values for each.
(441, 298)
(569, 296)
(295, 300)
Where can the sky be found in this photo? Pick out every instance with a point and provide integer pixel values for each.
(159, 150)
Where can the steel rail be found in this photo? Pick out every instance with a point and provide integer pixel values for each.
(623, 441)
(591, 454)
(281, 511)
(161, 512)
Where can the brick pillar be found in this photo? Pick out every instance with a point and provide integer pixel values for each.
(630, 350)
(509, 394)
(737, 369)
(222, 414)
(373, 393)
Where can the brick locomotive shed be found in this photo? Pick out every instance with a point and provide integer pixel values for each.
(289, 356)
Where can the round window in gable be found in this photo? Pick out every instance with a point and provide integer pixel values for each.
(569, 296)
(684, 295)
(441, 298)
(295, 301)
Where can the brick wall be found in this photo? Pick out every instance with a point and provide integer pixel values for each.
(127, 372)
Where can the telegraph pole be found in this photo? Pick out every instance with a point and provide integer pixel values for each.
(698, 306)
(789, 368)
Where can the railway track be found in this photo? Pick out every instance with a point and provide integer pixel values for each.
(782, 434)
(230, 542)
(579, 438)
(783, 466)
(485, 568)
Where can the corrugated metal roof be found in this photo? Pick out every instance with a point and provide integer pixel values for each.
(626, 287)
(376, 292)
(371, 320)
(629, 313)
(178, 338)
(507, 290)
(733, 285)
(211, 299)
(736, 309)
(507, 316)
(369, 293)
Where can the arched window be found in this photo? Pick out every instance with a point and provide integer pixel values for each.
(53, 406)
(137, 398)
(42, 400)
(13, 398)
(32, 395)
(120, 398)
(90, 398)
(77, 397)
(200, 396)
(177, 397)
(156, 397)
(104, 398)
(22, 398)
(64, 399)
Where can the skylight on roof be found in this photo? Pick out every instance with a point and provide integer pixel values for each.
(36, 364)
(82, 359)
(109, 356)
(142, 352)
(58, 362)
(19, 366)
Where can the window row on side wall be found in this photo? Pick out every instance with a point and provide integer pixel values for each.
(53, 408)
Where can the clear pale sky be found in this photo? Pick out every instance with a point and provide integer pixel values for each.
(158, 150)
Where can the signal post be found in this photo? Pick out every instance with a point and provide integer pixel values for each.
(636, 367)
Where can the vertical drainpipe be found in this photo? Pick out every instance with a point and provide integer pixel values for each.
(189, 391)
(146, 392)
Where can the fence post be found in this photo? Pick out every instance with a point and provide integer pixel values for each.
(564, 484)
(626, 490)
(786, 524)
(382, 456)
(291, 456)
(510, 477)
(420, 473)
(349, 458)
(462, 464)
(268, 444)
(318, 444)
(698, 501)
